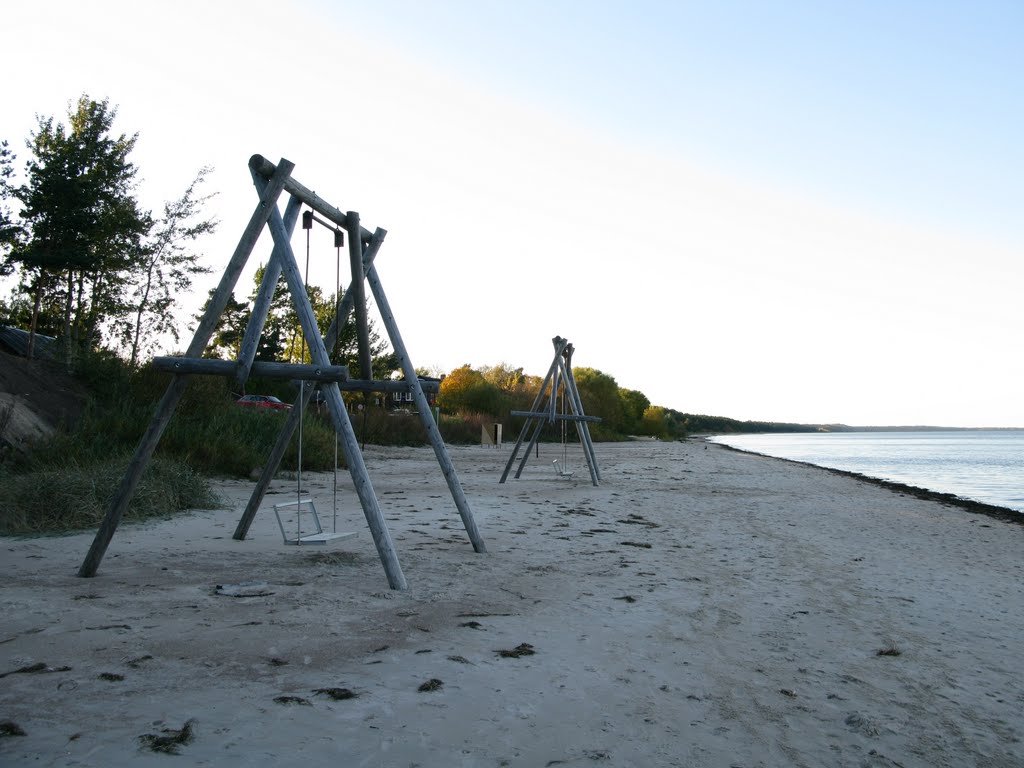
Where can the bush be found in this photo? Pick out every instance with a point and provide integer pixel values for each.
(75, 497)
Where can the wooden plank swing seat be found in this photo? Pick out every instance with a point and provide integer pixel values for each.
(271, 182)
(559, 380)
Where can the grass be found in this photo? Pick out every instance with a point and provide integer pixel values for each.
(73, 498)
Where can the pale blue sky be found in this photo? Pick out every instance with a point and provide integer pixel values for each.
(788, 211)
(911, 106)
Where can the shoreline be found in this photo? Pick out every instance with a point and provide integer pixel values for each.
(1006, 514)
(702, 607)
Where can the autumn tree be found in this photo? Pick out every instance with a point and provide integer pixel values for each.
(466, 390)
(655, 422)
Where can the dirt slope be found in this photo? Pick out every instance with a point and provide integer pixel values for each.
(36, 397)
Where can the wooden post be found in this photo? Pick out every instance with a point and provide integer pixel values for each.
(260, 165)
(581, 426)
(582, 430)
(292, 422)
(423, 407)
(355, 257)
(207, 367)
(261, 307)
(336, 406)
(144, 451)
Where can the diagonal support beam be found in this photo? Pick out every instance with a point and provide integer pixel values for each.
(423, 407)
(264, 297)
(269, 193)
(292, 422)
(335, 404)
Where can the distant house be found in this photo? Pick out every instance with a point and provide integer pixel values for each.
(14, 341)
(404, 399)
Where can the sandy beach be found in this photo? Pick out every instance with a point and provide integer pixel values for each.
(702, 607)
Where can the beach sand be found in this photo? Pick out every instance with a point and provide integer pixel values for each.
(702, 607)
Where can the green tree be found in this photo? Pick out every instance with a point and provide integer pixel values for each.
(229, 332)
(634, 404)
(83, 226)
(9, 229)
(600, 395)
(166, 269)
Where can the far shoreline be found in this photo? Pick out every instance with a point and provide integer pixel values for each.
(979, 507)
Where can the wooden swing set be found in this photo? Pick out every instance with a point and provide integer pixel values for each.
(559, 381)
(271, 181)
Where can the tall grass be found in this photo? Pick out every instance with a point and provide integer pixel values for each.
(72, 497)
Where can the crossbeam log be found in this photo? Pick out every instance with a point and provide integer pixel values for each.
(557, 416)
(265, 168)
(267, 370)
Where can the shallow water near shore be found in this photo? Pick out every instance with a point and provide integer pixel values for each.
(983, 465)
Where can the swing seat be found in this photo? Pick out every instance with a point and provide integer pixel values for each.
(559, 470)
(318, 536)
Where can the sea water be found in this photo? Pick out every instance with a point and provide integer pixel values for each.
(984, 465)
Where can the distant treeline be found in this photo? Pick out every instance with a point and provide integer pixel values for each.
(722, 425)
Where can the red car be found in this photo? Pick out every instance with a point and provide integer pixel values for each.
(263, 401)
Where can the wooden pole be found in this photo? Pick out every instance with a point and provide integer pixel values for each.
(144, 451)
(582, 430)
(261, 307)
(538, 427)
(336, 406)
(423, 407)
(260, 165)
(355, 257)
(208, 367)
(292, 422)
(558, 416)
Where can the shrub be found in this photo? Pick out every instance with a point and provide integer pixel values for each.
(75, 497)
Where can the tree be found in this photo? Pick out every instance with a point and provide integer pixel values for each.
(600, 396)
(229, 332)
(465, 390)
(504, 377)
(9, 230)
(634, 404)
(656, 422)
(166, 268)
(83, 226)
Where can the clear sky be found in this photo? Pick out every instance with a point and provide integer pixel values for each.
(789, 211)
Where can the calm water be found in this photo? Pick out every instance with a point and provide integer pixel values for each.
(986, 466)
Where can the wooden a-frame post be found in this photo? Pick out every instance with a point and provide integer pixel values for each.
(271, 181)
(544, 410)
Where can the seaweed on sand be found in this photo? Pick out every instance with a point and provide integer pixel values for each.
(523, 649)
(171, 740)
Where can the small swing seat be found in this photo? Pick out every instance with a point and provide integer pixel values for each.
(318, 536)
(559, 470)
